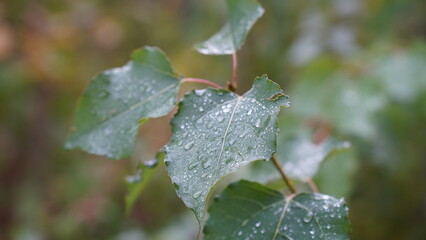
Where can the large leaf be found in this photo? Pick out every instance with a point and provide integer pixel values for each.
(215, 132)
(242, 16)
(301, 158)
(118, 100)
(247, 210)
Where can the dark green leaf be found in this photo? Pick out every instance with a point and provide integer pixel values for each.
(247, 210)
(119, 100)
(242, 16)
(215, 132)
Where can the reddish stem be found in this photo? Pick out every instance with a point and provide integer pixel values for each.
(203, 81)
(283, 175)
(312, 185)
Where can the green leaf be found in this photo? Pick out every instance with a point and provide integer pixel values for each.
(242, 16)
(248, 210)
(301, 158)
(137, 183)
(215, 132)
(119, 100)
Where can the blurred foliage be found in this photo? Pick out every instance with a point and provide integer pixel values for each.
(354, 65)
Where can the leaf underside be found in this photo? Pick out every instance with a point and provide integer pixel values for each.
(215, 132)
(242, 16)
(248, 210)
(118, 100)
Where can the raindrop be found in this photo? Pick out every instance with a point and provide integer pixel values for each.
(257, 123)
(249, 112)
(220, 119)
(308, 217)
(197, 194)
(192, 165)
(240, 233)
(201, 109)
(151, 163)
(258, 224)
(188, 146)
(204, 175)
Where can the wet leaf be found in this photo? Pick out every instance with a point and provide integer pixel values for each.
(248, 210)
(138, 182)
(119, 100)
(242, 16)
(215, 132)
(301, 158)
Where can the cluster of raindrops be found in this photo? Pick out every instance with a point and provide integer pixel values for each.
(216, 132)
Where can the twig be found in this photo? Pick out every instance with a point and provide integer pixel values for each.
(203, 81)
(312, 185)
(283, 175)
(234, 70)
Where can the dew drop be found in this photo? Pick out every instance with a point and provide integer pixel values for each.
(188, 146)
(220, 119)
(308, 217)
(240, 233)
(201, 109)
(197, 194)
(192, 165)
(257, 123)
(204, 175)
(258, 224)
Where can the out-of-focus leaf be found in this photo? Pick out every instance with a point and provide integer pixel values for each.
(215, 132)
(242, 16)
(248, 210)
(301, 158)
(119, 100)
(402, 72)
(138, 182)
(336, 175)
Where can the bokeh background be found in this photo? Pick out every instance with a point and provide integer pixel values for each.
(357, 66)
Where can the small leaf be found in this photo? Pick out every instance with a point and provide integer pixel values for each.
(301, 158)
(215, 132)
(242, 16)
(248, 210)
(119, 100)
(137, 183)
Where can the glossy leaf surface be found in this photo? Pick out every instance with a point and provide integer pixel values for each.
(242, 16)
(248, 210)
(118, 100)
(215, 132)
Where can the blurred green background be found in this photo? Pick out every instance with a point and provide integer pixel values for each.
(358, 66)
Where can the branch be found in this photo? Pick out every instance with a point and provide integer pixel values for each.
(200, 80)
(283, 175)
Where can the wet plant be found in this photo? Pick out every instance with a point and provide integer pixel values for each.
(214, 133)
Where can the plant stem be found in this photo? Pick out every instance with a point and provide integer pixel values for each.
(312, 185)
(283, 175)
(203, 81)
(234, 70)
